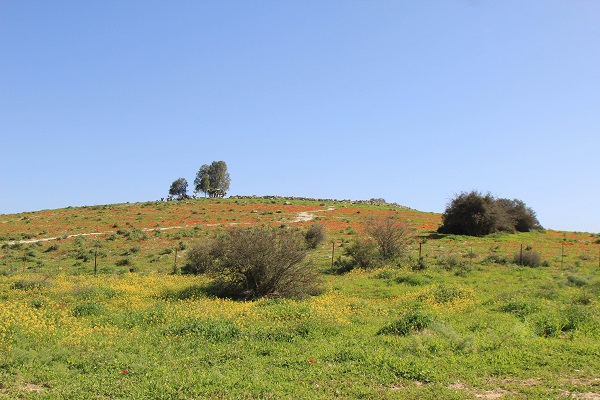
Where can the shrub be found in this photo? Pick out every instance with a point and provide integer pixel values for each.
(29, 285)
(87, 309)
(52, 247)
(447, 293)
(557, 322)
(450, 262)
(123, 262)
(475, 214)
(199, 257)
(519, 307)
(261, 262)
(420, 265)
(529, 258)
(577, 281)
(412, 280)
(315, 235)
(412, 321)
(520, 217)
(362, 253)
(469, 214)
(390, 235)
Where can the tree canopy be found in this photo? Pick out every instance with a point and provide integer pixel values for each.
(476, 214)
(213, 180)
(179, 188)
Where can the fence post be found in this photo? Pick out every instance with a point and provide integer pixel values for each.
(521, 256)
(332, 252)
(175, 263)
(471, 258)
(95, 262)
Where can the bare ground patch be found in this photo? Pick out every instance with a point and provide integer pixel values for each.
(478, 393)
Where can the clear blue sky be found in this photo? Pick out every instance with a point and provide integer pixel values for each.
(412, 101)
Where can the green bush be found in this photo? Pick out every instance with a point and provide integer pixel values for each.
(200, 257)
(577, 281)
(29, 285)
(52, 247)
(420, 265)
(565, 320)
(411, 280)
(211, 330)
(451, 262)
(362, 253)
(88, 309)
(123, 262)
(412, 321)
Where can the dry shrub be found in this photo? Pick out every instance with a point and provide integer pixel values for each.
(390, 235)
(315, 235)
(258, 262)
(529, 258)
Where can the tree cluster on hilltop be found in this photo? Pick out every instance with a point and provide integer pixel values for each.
(213, 180)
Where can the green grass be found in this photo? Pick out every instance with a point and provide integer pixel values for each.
(472, 324)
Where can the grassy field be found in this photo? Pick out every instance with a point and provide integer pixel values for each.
(473, 324)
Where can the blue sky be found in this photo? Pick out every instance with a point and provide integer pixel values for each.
(411, 101)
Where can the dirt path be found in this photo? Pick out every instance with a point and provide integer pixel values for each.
(111, 232)
(303, 216)
(306, 216)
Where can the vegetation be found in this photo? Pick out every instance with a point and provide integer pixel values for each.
(390, 235)
(386, 241)
(213, 179)
(315, 235)
(179, 188)
(475, 214)
(258, 262)
(361, 253)
(473, 324)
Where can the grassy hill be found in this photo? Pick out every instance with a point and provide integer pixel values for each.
(473, 324)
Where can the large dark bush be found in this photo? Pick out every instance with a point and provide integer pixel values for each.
(258, 262)
(475, 214)
(521, 217)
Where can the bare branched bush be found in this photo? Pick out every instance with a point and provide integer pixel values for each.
(315, 235)
(259, 262)
(390, 235)
(529, 258)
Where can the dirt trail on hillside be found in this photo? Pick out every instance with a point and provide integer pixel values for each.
(111, 232)
(306, 216)
(303, 216)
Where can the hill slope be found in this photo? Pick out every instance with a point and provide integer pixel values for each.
(472, 324)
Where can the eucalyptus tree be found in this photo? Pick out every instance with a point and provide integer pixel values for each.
(213, 180)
